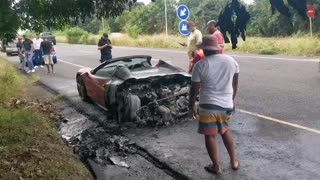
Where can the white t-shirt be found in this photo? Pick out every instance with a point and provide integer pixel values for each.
(37, 43)
(215, 73)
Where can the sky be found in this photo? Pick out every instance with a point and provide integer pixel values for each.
(148, 1)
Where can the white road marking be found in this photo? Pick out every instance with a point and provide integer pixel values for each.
(77, 65)
(244, 111)
(244, 56)
(278, 58)
(233, 55)
(280, 121)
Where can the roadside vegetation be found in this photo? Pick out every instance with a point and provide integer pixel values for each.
(296, 45)
(30, 147)
(143, 26)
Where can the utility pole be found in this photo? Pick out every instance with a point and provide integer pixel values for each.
(166, 16)
(102, 19)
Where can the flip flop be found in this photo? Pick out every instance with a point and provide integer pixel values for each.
(212, 169)
(235, 166)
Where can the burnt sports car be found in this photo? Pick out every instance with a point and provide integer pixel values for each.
(135, 90)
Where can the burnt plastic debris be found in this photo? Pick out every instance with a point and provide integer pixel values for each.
(299, 5)
(234, 28)
(99, 145)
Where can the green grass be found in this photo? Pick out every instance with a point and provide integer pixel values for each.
(294, 45)
(30, 148)
(11, 83)
(154, 41)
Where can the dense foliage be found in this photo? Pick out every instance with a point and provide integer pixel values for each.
(129, 15)
(151, 20)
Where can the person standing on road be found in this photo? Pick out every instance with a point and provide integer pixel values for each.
(214, 30)
(37, 53)
(217, 76)
(198, 55)
(193, 41)
(22, 63)
(46, 48)
(28, 51)
(105, 46)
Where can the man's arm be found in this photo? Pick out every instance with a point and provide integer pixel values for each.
(194, 92)
(22, 49)
(32, 47)
(235, 85)
(194, 89)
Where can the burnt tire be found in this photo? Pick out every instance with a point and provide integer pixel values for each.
(127, 108)
(82, 90)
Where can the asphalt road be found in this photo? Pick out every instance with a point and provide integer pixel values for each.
(272, 88)
(286, 88)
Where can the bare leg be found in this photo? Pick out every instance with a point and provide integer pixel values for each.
(52, 68)
(212, 148)
(229, 143)
(48, 68)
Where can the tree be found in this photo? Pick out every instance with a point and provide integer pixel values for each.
(9, 20)
(38, 15)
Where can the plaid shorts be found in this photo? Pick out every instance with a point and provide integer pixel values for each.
(213, 119)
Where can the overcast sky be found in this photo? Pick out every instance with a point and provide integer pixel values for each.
(148, 1)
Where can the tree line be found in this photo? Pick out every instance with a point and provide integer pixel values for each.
(150, 19)
(131, 16)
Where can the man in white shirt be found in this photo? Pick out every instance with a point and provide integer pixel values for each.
(193, 41)
(37, 53)
(217, 75)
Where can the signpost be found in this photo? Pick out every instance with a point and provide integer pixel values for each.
(183, 28)
(183, 13)
(312, 15)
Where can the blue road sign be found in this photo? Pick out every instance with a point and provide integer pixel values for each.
(183, 12)
(183, 28)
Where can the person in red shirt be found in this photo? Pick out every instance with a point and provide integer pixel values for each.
(198, 55)
(214, 30)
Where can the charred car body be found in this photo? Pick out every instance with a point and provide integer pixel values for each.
(135, 90)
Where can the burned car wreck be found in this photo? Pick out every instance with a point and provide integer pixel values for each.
(135, 90)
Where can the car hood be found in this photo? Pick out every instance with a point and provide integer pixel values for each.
(152, 72)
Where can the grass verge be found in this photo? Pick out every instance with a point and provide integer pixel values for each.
(30, 147)
(294, 45)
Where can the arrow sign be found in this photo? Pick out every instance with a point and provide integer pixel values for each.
(183, 12)
(183, 28)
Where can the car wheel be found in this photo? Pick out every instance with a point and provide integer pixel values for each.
(82, 90)
(127, 108)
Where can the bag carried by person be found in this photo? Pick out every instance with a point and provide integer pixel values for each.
(54, 56)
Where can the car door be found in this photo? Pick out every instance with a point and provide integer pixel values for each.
(96, 88)
(97, 82)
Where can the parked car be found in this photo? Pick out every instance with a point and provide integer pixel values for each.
(2, 46)
(49, 36)
(11, 48)
(135, 90)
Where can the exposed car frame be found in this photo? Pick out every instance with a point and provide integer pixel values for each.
(121, 93)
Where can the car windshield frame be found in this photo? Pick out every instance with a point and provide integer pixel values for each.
(127, 61)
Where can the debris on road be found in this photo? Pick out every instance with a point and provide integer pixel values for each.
(116, 161)
(103, 146)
